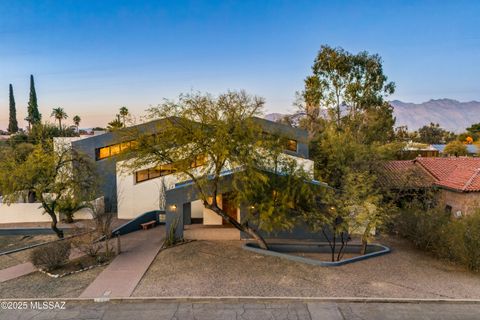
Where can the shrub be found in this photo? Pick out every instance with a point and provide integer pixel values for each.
(463, 239)
(51, 256)
(434, 231)
(87, 243)
(425, 228)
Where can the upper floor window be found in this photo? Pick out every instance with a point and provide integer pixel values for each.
(291, 145)
(152, 173)
(165, 169)
(114, 149)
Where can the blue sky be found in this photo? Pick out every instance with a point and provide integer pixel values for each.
(91, 57)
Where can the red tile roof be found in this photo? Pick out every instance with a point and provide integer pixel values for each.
(461, 174)
(403, 174)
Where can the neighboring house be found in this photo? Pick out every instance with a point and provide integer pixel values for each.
(456, 179)
(472, 149)
(131, 194)
(415, 149)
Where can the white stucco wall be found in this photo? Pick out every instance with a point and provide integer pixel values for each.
(33, 212)
(22, 212)
(135, 199)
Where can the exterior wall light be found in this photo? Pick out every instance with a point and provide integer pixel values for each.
(173, 207)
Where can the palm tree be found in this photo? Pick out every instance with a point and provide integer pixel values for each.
(59, 114)
(115, 124)
(76, 121)
(124, 113)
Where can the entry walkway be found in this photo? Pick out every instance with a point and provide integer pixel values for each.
(122, 275)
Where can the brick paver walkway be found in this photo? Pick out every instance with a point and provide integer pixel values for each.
(122, 275)
(16, 271)
(23, 269)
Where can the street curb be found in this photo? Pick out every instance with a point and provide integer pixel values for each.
(256, 299)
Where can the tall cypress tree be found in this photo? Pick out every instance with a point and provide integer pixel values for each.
(12, 121)
(34, 116)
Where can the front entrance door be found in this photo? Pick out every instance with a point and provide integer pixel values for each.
(229, 207)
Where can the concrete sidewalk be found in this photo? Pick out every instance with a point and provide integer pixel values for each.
(251, 310)
(122, 275)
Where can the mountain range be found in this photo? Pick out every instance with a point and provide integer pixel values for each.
(451, 114)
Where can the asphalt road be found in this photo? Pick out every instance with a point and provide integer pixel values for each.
(236, 310)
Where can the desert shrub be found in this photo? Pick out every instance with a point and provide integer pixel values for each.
(425, 228)
(51, 256)
(435, 231)
(463, 241)
(87, 243)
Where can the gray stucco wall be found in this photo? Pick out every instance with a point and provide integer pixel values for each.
(106, 168)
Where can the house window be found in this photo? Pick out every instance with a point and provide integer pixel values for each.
(113, 150)
(152, 173)
(448, 209)
(199, 161)
(291, 145)
(141, 176)
(165, 170)
(103, 153)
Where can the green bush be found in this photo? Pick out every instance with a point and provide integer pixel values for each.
(435, 231)
(51, 256)
(424, 228)
(463, 241)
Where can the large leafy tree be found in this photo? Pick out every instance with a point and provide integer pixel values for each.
(224, 132)
(351, 88)
(53, 176)
(455, 148)
(433, 133)
(34, 117)
(12, 120)
(59, 114)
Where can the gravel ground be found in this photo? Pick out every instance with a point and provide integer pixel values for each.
(8, 243)
(39, 285)
(13, 259)
(209, 268)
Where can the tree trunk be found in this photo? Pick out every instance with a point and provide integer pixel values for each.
(364, 247)
(54, 222)
(54, 225)
(69, 218)
(250, 231)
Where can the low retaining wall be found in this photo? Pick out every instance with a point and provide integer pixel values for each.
(23, 212)
(33, 212)
(285, 250)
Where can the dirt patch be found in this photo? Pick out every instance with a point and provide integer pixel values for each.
(210, 268)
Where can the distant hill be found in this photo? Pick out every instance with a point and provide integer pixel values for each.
(274, 116)
(451, 114)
